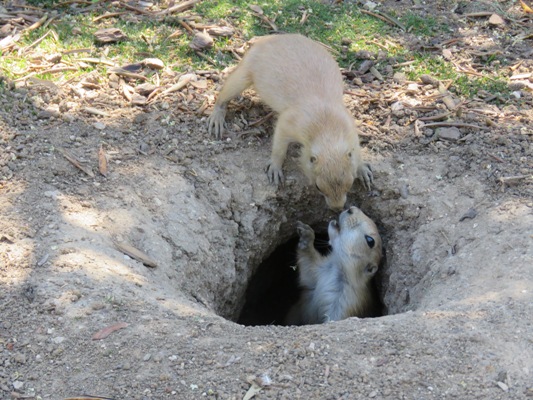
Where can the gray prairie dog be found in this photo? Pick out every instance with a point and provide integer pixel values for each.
(301, 81)
(337, 286)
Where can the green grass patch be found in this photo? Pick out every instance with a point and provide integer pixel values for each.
(464, 84)
(330, 24)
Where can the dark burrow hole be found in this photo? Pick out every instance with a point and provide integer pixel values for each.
(273, 289)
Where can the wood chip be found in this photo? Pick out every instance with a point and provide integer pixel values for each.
(153, 63)
(110, 35)
(95, 111)
(135, 254)
(76, 163)
(102, 334)
(102, 161)
(182, 82)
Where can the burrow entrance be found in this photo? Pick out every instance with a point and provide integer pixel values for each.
(274, 288)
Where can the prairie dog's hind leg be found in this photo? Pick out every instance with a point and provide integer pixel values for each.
(237, 81)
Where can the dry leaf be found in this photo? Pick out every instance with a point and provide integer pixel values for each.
(102, 334)
(102, 161)
(202, 84)
(526, 8)
(256, 9)
(201, 41)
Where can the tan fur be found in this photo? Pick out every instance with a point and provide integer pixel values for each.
(299, 79)
(336, 286)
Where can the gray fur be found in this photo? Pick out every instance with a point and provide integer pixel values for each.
(336, 286)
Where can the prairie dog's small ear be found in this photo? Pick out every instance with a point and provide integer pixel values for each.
(371, 270)
(313, 159)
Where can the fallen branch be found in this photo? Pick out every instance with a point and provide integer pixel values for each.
(135, 254)
(513, 179)
(456, 124)
(36, 43)
(95, 111)
(186, 5)
(47, 71)
(95, 61)
(122, 72)
(436, 117)
(37, 24)
(386, 18)
(262, 120)
(109, 15)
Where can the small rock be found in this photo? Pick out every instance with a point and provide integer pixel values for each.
(429, 80)
(145, 89)
(496, 20)
(58, 339)
(412, 88)
(99, 125)
(147, 357)
(452, 134)
(370, 5)
(470, 214)
(364, 55)
(49, 112)
(397, 106)
(201, 41)
(18, 385)
(365, 66)
(399, 77)
(20, 358)
(503, 386)
(53, 58)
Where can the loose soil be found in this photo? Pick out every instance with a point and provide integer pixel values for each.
(457, 282)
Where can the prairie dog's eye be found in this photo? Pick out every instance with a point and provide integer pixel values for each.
(370, 241)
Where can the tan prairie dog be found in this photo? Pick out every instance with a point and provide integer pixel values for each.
(301, 81)
(337, 286)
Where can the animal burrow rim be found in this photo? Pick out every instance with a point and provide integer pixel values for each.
(273, 288)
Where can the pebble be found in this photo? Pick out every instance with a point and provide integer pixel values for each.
(452, 134)
(99, 125)
(58, 339)
(18, 385)
(399, 77)
(20, 358)
(412, 88)
(503, 386)
(147, 357)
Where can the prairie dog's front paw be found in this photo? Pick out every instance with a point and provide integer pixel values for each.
(275, 174)
(215, 122)
(365, 174)
(306, 233)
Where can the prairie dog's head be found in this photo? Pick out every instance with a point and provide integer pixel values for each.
(333, 177)
(355, 235)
